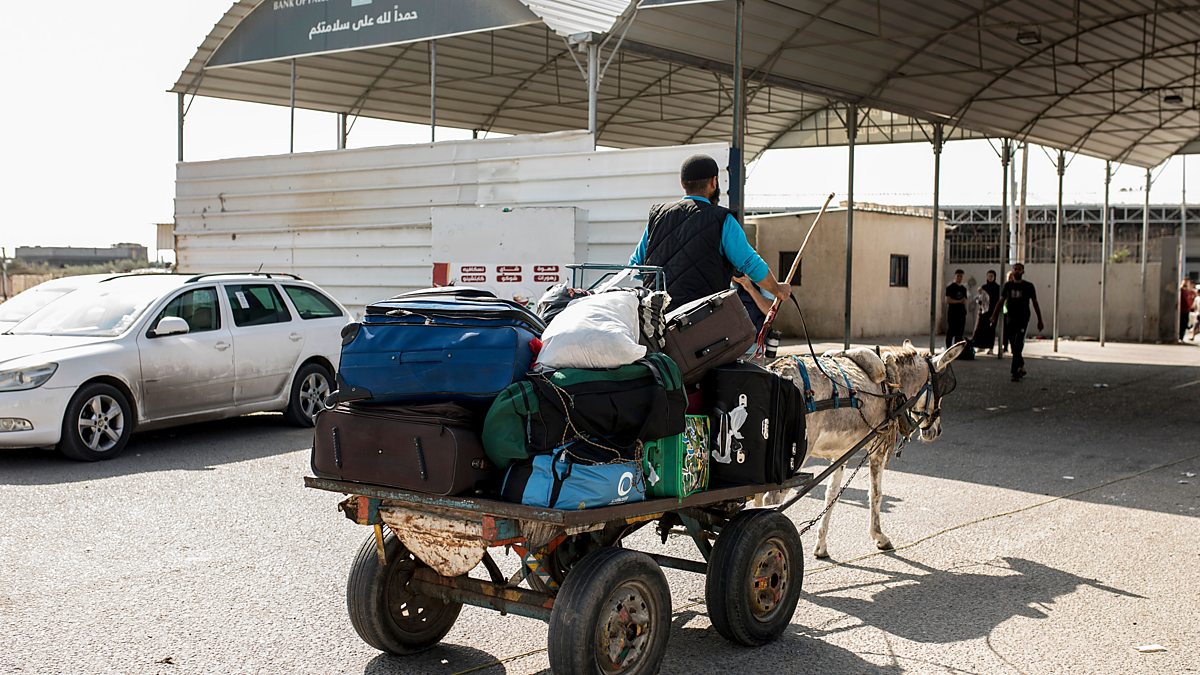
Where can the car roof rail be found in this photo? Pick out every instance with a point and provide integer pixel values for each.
(269, 275)
(122, 275)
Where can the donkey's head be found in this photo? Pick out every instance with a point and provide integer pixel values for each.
(928, 378)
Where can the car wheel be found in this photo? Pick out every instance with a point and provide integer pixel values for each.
(98, 424)
(311, 387)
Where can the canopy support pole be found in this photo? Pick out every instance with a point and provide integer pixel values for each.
(433, 91)
(1023, 214)
(737, 169)
(1005, 160)
(1104, 244)
(593, 84)
(292, 112)
(933, 258)
(1058, 218)
(1144, 246)
(342, 132)
(179, 115)
(1183, 273)
(851, 134)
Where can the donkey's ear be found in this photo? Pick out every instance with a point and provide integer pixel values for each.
(908, 344)
(942, 360)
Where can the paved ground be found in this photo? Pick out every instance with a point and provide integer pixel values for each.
(1053, 528)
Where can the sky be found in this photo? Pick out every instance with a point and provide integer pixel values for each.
(89, 145)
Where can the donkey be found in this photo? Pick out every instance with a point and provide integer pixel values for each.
(898, 370)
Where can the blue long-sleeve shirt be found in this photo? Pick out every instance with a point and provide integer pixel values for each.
(734, 246)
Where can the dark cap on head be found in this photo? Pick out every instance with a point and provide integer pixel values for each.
(698, 167)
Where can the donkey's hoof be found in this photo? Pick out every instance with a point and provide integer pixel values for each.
(821, 553)
(884, 544)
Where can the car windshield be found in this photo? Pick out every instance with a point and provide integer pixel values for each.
(24, 304)
(104, 310)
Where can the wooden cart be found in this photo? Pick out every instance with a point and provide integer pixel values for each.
(609, 607)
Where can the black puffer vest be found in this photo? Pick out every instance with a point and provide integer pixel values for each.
(685, 240)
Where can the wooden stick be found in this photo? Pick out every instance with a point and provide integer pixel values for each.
(770, 319)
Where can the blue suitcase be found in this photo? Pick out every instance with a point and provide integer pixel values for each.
(436, 347)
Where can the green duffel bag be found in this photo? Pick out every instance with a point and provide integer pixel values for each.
(613, 408)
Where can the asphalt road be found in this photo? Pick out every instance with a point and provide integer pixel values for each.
(1053, 528)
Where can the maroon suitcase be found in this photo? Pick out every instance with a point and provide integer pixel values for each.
(431, 448)
(707, 333)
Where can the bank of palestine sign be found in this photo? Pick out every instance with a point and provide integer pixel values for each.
(282, 29)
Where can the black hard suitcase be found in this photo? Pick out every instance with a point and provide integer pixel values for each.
(769, 445)
(707, 333)
(430, 448)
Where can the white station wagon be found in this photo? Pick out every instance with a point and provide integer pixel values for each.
(145, 351)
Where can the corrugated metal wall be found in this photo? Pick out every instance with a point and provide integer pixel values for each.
(357, 222)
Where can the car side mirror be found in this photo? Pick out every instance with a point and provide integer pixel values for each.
(171, 325)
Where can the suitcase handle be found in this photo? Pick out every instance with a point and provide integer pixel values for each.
(711, 348)
(423, 356)
(420, 458)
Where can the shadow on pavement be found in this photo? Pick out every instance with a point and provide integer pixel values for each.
(195, 447)
(703, 650)
(1069, 425)
(952, 605)
(856, 497)
(444, 658)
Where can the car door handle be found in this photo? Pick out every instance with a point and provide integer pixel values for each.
(295, 337)
(221, 346)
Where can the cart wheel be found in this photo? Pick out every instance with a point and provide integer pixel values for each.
(385, 613)
(613, 615)
(753, 583)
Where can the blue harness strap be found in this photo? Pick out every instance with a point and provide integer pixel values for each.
(809, 402)
(849, 389)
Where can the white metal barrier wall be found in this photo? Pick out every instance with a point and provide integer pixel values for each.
(357, 222)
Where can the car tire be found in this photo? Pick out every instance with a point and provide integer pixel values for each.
(97, 424)
(312, 384)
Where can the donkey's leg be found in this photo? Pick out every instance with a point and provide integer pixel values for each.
(878, 464)
(831, 491)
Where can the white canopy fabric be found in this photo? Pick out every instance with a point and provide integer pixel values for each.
(1115, 79)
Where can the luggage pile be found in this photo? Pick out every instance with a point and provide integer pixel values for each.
(453, 391)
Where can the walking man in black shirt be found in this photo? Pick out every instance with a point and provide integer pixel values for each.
(956, 310)
(1018, 294)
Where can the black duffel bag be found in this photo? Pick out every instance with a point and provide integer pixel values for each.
(613, 408)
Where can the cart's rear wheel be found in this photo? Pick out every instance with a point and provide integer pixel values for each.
(754, 577)
(611, 616)
(385, 612)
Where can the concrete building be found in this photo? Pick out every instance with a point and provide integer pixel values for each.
(891, 269)
(67, 256)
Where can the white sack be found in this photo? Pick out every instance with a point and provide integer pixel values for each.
(597, 331)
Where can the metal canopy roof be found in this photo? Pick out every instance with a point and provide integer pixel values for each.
(1116, 79)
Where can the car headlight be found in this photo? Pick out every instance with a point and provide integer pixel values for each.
(20, 379)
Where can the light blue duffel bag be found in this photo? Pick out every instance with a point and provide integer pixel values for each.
(559, 482)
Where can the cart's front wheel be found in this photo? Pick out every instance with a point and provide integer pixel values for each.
(384, 610)
(612, 615)
(754, 577)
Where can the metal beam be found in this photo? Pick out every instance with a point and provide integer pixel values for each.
(1058, 220)
(1145, 242)
(851, 133)
(1104, 253)
(1005, 161)
(737, 168)
(1183, 274)
(433, 91)
(933, 262)
(179, 115)
(292, 112)
(342, 131)
(593, 85)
